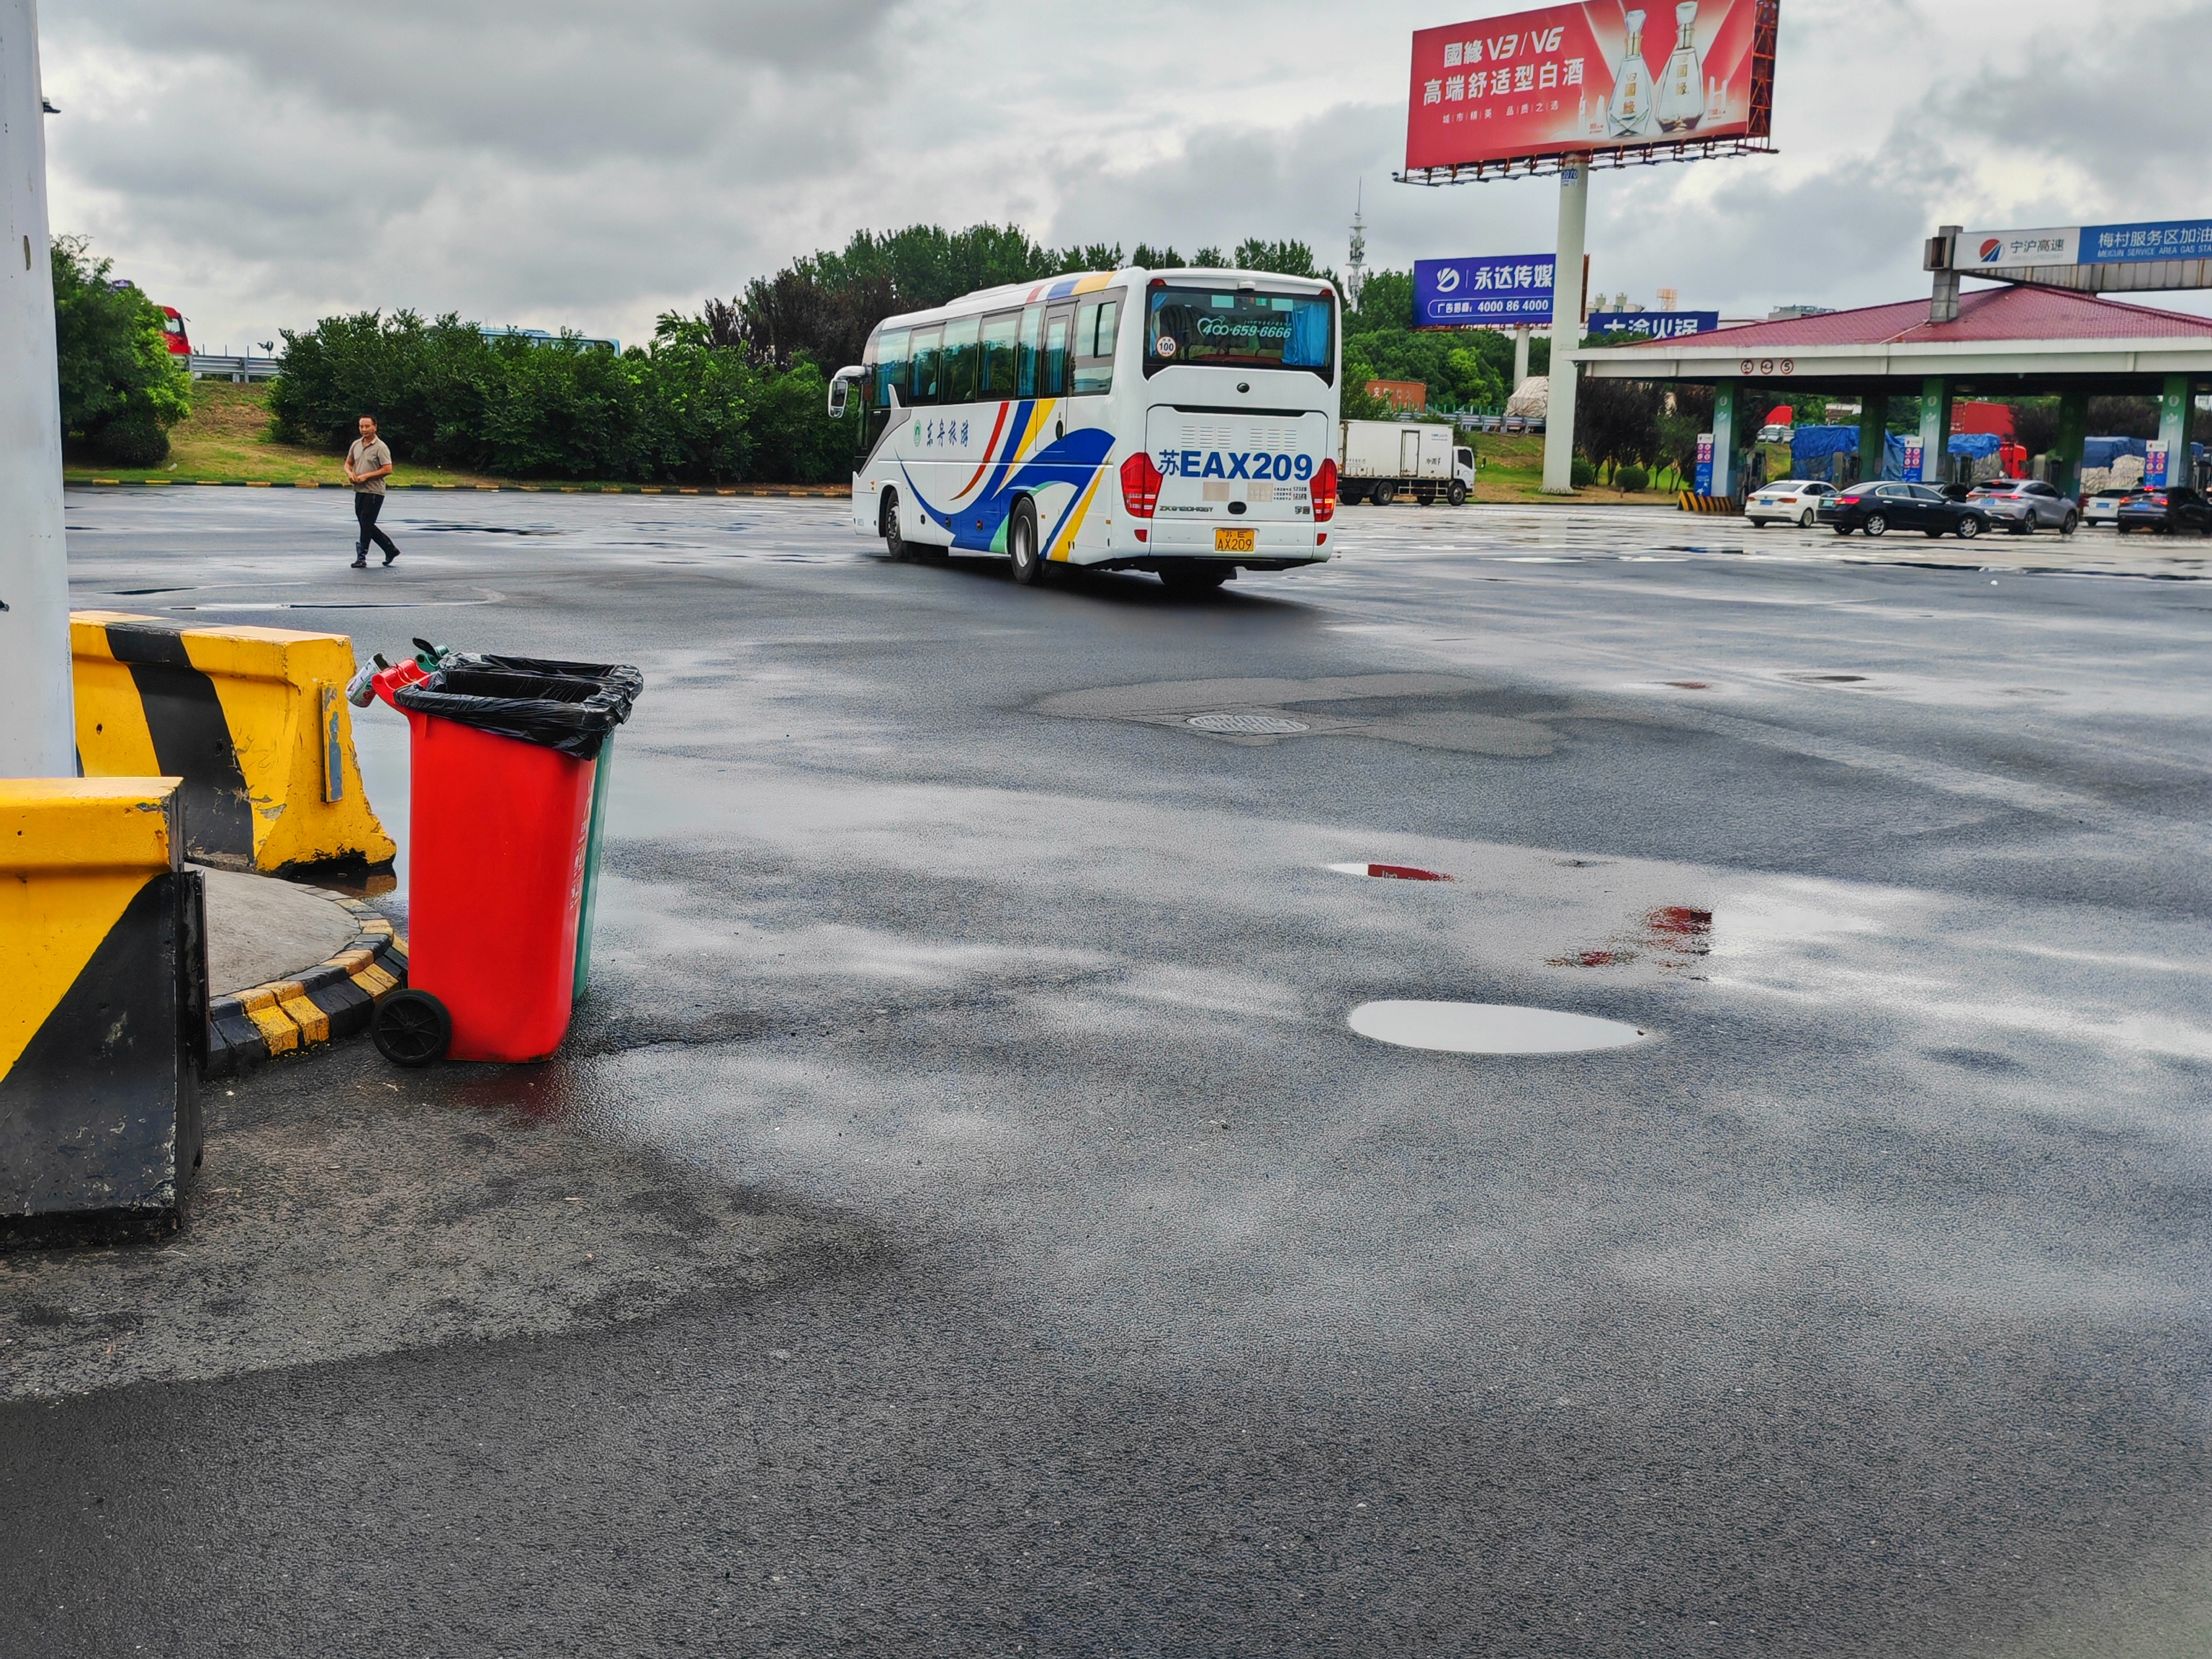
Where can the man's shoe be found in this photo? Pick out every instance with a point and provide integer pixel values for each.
(360, 563)
(388, 558)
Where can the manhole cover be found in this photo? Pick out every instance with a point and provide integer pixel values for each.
(1246, 725)
(1482, 1028)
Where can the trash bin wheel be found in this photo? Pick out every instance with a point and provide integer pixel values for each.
(411, 1029)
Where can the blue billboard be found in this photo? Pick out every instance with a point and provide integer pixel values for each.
(1652, 324)
(2171, 239)
(1483, 292)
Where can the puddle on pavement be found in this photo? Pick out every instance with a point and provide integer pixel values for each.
(1826, 679)
(1489, 1028)
(1246, 725)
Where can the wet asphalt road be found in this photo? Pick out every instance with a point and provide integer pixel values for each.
(963, 1223)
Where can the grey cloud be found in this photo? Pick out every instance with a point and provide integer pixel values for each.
(2125, 101)
(266, 161)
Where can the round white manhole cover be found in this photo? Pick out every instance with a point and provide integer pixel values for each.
(1247, 726)
(1488, 1028)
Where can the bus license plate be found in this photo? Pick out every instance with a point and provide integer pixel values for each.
(1233, 541)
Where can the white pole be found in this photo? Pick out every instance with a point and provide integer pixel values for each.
(1520, 356)
(38, 735)
(1566, 326)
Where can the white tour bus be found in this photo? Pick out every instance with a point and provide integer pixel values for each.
(1181, 422)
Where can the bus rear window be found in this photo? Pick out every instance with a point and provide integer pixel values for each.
(1229, 328)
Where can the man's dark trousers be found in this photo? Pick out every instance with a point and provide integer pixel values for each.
(366, 504)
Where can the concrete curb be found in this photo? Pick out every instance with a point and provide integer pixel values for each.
(328, 1001)
(814, 492)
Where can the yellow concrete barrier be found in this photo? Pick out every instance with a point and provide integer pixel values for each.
(254, 719)
(103, 998)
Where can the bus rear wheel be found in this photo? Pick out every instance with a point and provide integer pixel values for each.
(1022, 543)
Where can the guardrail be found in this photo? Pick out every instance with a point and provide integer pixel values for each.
(236, 368)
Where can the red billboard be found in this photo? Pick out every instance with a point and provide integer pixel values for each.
(1604, 75)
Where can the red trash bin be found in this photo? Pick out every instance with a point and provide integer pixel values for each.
(499, 827)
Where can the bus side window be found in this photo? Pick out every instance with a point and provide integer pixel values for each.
(928, 350)
(960, 334)
(1025, 355)
(997, 376)
(1095, 327)
(1053, 383)
(889, 363)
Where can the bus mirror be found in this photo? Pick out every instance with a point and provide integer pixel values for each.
(839, 383)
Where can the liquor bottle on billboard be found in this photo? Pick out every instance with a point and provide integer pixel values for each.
(1629, 115)
(1682, 87)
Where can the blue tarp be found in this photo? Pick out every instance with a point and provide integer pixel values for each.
(1813, 449)
(2103, 452)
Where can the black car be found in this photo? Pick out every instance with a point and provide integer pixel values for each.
(1879, 509)
(2175, 509)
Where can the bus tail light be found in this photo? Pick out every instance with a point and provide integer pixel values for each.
(1324, 493)
(1140, 485)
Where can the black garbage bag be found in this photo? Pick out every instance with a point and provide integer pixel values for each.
(570, 707)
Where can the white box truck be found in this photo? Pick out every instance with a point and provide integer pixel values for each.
(1378, 461)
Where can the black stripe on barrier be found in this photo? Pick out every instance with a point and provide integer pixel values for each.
(100, 1113)
(191, 739)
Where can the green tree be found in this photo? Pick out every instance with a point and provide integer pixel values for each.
(1282, 258)
(122, 388)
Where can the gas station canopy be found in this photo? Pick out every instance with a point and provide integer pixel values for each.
(2013, 342)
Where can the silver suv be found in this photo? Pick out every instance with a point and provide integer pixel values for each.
(2019, 505)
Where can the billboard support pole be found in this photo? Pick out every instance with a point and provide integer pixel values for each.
(38, 734)
(1566, 327)
(1521, 347)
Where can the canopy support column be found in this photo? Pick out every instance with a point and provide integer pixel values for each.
(2073, 431)
(1935, 429)
(1874, 432)
(2173, 429)
(1724, 467)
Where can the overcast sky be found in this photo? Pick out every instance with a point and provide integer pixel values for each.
(261, 163)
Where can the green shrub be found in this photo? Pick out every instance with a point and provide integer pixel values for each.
(1632, 476)
(1581, 474)
(116, 370)
(685, 408)
(132, 440)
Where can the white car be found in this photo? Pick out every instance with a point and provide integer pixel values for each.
(2104, 506)
(1793, 500)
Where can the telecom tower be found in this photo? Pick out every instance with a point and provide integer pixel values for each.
(1355, 275)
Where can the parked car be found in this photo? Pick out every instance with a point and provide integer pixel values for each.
(1879, 509)
(2104, 506)
(2173, 510)
(1791, 501)
(1774, 433)
(2021, 505)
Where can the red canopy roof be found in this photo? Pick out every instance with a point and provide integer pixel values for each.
(2019, 312)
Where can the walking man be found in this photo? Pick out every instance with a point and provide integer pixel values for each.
(367, 464)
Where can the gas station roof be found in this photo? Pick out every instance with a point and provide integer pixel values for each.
(2038, 333)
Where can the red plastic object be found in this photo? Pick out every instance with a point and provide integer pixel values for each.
(495, 880)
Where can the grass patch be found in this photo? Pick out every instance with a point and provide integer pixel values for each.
(1511, 470)
(226, 438)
